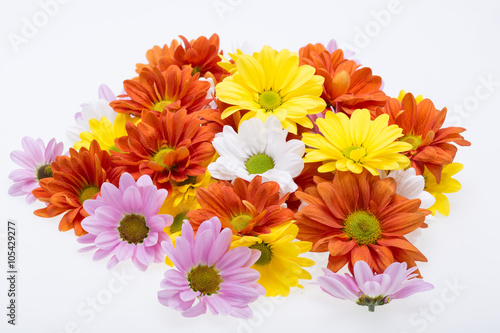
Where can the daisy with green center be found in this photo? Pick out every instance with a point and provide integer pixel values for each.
(357, 143)
(258, 149)
(272, 83)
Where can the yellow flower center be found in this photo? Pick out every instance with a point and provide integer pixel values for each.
(270, 100)
(45, 171)
(160, 156)
(239, 222)
(363, 227)
(414, 140)
(133, 228)
(161, 105)
(88, 193)
(265, 253)
(204, 279)
(178, 221)
(259, 163)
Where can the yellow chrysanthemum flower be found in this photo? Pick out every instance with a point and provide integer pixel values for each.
(447, 185)
(402, 94)
(279, 265)
(104, 132)
(271, 83)
(356, 143)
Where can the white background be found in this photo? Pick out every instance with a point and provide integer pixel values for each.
(444, 51)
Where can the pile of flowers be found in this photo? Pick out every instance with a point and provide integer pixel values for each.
(230, 169)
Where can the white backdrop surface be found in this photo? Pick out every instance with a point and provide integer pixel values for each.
(55, 54)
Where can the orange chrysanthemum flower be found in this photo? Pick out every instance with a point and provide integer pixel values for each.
(213, 117)
(170, 147)
(159, 90)
(421, 123)
(247, 208)
(360, 217)
(76, 178)
(310, 176)
(201, 55)
(346, 87)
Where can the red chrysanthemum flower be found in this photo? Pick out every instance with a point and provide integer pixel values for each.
(170, 147)
(76, 178)
(161, 90)
(201, 55)
(346, 87)
(247, 208)
(360, 217)
(421, 124)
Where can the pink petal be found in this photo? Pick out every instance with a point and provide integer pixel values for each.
(244, 312)
(124, 251)
(188, 295)
(152, 239)
(100, 254)
(105, 93)
(126, 181)
(156, 223)
(107, 240)
(411, 287)
(86, 239)
(183, 254)
(234, 258)
(144, 254)
(336, 287)
(132, 200)
(220, 246)
(362, 273)
(113, 261)
(371, 289)
(218, 305)
(196, 310)
(187, 232)
(139, 264)
(202, 245)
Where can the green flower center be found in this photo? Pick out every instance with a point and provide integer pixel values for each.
(161, 105)
(45, 171)
(259, 163)
(414, 140)
(239, 222)
(133, 228)
(191, 180)
(265, 253)
(88, 193)
(347, 152)
(204, 279)
(270, 100)
(363, 227)
(196, 69)
(178, 221)
(160, 156)
(372, 302)
(113, 147)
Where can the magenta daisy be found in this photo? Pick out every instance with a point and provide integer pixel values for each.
(35, 162)
(207, 271)
(371, 290)
(124, 222)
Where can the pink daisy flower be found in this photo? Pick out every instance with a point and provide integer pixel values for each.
(207, 271)
(124, 222)
(35, 162)
(370, 290)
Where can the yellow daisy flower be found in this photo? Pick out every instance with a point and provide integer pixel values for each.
(447, 185)
(279, 265)
(402, 94)
(104, 132)
(271, 83)
(356, 143)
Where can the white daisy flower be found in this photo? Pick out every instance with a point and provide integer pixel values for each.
(411, 186)
(258, 149)
(92, 110)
